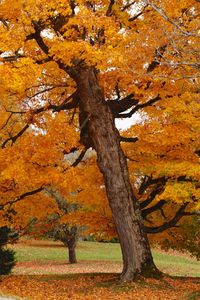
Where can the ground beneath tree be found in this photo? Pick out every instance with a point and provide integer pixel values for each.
(98, 286)
(90, 280)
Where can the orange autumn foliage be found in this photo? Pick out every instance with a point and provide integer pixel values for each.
(147, 49)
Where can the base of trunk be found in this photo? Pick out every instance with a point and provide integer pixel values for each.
(149, 272)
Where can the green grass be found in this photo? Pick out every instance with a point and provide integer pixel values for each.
(171, 264)
(180, 265)
(85, 251)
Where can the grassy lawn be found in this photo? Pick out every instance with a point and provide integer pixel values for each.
(54, 279)
(92, 251)
(85, 251)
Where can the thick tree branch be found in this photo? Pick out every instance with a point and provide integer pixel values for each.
(118, 106)
(138, 107)
(117, 91)
(148, 181)
(79, 158)
(65, 105)
(109, 10)
(128, 139)
(36, 35)
(40, 41)
(156, 191)
(43, 61)
(157, 206)
(172, 223)
(159, 184)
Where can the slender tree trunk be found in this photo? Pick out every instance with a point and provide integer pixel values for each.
(137, 258)
(69, 238)
(71, 246)
(72, 252)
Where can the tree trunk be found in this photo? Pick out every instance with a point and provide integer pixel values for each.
(71, 246)
(72, 253)
(69, 236)
(137, 258)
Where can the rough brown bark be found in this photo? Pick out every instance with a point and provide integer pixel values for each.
(68, 236)
(137, 258)
(72, 253)
(71, 246)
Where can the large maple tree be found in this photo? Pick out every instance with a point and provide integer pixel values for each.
(94, 60)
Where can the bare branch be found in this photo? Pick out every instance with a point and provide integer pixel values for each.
(194, 65)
